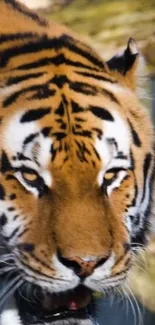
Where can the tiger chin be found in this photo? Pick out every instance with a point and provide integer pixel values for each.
(76, 170)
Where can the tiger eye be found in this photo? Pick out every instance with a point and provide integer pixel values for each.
(30, 177)
(109, 176)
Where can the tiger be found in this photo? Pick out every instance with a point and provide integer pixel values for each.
(76, 170)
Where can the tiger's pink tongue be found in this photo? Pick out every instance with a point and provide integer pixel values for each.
(73, 305)
(79, 299)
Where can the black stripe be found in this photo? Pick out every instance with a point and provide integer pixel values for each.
(95, 76)
(30, 14)
(146, 168)
(16, 217)
(80, 119)
(3, 220)
(110, 95)
(53, 152)
(46, 131)
(35, 64)
(27, 247)
(15, 36)
(101, 113)
(135, 136)
(45, 43)
(82, 151)
(133, 203)
(18, 79)
(35, 271)
(120, 155)
(34, 114)
(41, 90)
(76, 108)
(23, 232)
(82, 133)
(44, 264)
(91, 90)
(11, 209)
(30, 138)
(60, 110)
(84, 53)
(83, 88)
(96, 153)
(116, 170)
(99, 133)
(56, 60)
(5, 163)
(10, 177)
(2, 192)
(60, 80)
(22, 157)
(14, 232)
(132, 161)
(59, 135)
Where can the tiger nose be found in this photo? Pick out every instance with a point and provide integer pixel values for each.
(82, 267)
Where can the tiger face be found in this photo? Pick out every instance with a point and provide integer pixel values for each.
(76, 165)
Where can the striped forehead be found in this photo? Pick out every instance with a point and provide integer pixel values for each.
(24, 131)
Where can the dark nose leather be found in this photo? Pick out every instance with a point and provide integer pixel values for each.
(82, 267)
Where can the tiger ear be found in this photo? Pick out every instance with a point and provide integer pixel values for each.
(125, 65)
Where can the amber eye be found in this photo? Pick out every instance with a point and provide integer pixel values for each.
(30, 177)
(31, 180)
(109, 176)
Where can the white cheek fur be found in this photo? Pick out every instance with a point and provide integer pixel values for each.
(10, 315)
(117, 130)
(13, 139)
(16, 132)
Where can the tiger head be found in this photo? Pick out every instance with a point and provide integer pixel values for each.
(76, 162)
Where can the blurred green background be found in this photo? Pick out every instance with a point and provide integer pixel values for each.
(106, 24)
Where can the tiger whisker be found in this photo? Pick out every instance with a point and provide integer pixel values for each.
(23, 296)
(139, 316)
(7, 269)
(7, 262)
(3, 256)
(9, 290)
(131, 304)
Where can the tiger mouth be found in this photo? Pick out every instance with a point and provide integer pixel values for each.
(54, 307)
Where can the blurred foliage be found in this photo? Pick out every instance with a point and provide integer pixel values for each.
(110, 23)
(142, 281)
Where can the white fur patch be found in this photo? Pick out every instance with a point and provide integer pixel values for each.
(119, 131)
(16, 132)
(6, 91)
(44, 154)
(65, 278)
(105, 155)
(12, 224)
(13, 140)
(10, 315)
(94, 281)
